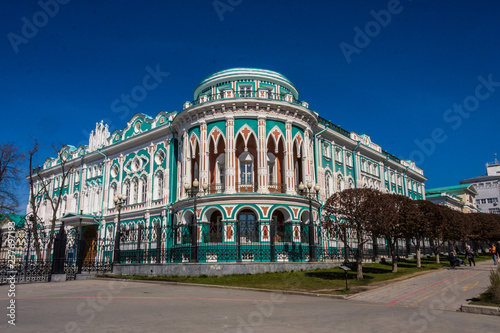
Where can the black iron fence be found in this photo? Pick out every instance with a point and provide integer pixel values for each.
(25, 257)
(28, 255)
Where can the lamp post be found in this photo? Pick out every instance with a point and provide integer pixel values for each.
(119, 201)
(309, 194)
(192, 191)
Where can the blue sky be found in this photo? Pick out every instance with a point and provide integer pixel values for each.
(399, 86)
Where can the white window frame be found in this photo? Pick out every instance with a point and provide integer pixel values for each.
(246, 159)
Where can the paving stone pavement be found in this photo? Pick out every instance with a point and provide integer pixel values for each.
(445, 289)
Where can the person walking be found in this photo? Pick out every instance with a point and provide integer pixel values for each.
(469, 254)
(493, 253)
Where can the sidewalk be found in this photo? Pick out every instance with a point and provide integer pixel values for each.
(445, 289)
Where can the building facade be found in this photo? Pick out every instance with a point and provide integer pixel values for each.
(249, 144)
(488, 188)
(461, 198)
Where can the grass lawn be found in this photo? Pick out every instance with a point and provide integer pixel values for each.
(486, 300)
(325, 281)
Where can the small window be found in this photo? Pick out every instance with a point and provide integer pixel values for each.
(136, 191)
(245, 91)
(158, 185)
(348, 157)
(144, 188)
(127, 192)
(160, 157)
(338, 155)
(114, 171)
(136, 165)
(326, 149)
(270, 166)
(246, 172)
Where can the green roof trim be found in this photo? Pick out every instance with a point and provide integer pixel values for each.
(16, 218)
(449, 188)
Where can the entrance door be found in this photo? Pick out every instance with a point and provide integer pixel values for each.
(89, 246)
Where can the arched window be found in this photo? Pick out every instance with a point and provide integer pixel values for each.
(144, 188)
(221, 170)
(112, 194)
(74, 206)
(248, 227)
(279, 223)
(340, 183)
(158, 193)
(64, 203)
(135, 191)
(246, 168)
(351, 183)
(328, 185)
(216, 227)
(127, 192)
(271, 168)
(304, 228)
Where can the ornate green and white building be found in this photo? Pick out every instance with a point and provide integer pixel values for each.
(249, 142)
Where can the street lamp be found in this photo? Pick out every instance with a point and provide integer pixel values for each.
(192, 191)
(119, 202)
(309, 194)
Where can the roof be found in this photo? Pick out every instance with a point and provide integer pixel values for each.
(448, 188)
(16, 218)
(246, 73)
(73, 219)
(451, 189)
(479, 179)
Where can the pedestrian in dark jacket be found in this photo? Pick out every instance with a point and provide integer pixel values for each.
(453, 260)
(469, 254)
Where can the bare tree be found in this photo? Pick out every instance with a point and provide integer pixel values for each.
(49, 190)
(36, 198)
(11, 161)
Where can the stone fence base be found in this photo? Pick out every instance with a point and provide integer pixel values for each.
(218, 269)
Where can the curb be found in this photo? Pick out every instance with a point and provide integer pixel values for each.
(480, 309)
(286, 292)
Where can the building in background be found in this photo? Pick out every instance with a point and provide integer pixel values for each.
(248, 144)
(12, 236)
(458, 197)
(488, 188)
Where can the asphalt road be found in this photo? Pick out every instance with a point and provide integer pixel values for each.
(116, 306)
